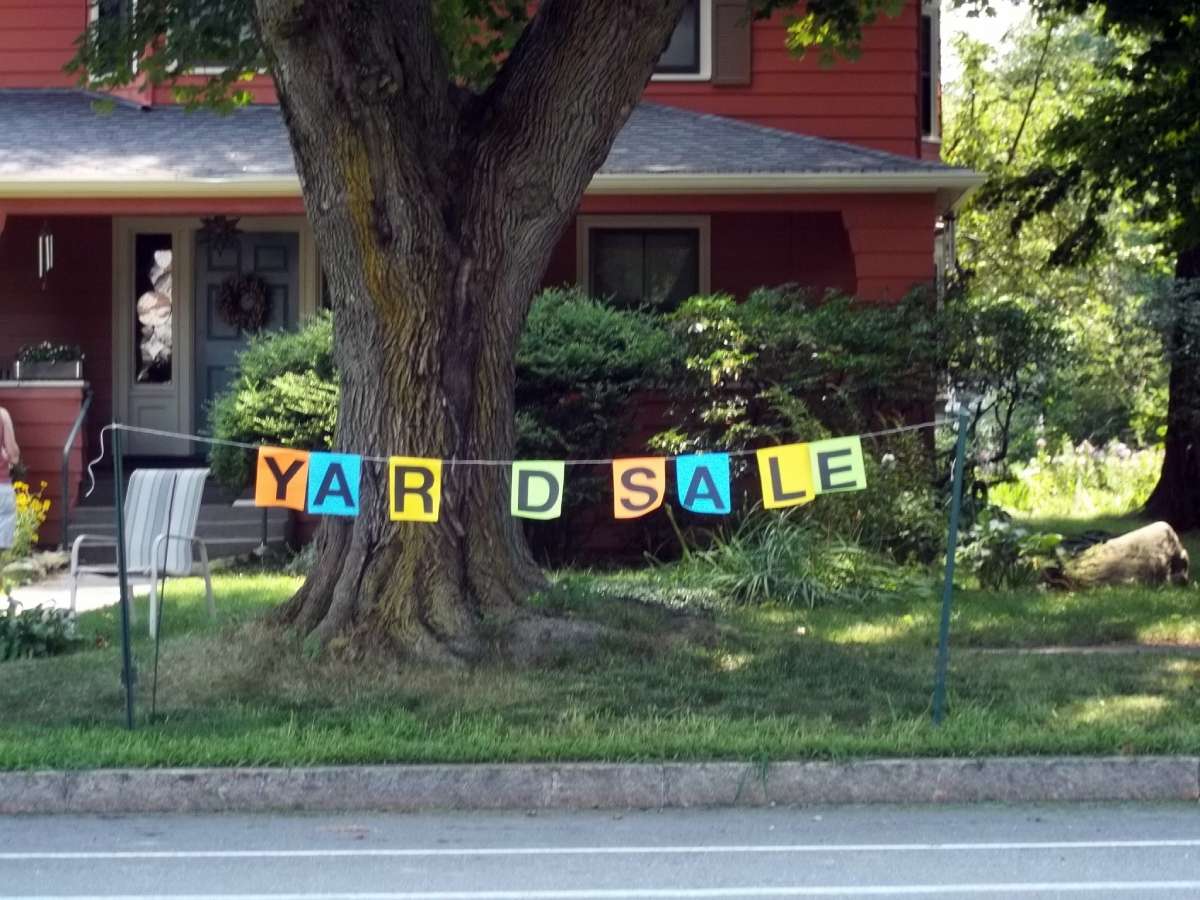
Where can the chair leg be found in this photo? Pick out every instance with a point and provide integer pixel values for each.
(154, 601)
(212, 606)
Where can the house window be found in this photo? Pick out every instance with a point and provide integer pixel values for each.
(930, 53)
(654, 262)
(688, 55)
(109, 18)
(154, 314)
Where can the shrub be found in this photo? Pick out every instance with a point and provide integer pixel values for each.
(35, 633)
(578, 366)
(901, 513)
(285, 392)
(769, 369)
(1004, 555)
(781, 367)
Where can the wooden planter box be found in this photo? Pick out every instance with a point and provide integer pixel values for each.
(58, 370)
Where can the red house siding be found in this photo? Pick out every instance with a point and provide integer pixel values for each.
(37, 38)
(75, 307)
(871, 101)
(877, 247)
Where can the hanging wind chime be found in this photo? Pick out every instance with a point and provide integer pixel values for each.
(45, 253)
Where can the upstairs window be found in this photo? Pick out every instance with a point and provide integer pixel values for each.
(111, 10)
(109, 17)
(689, 52)
(930, 75)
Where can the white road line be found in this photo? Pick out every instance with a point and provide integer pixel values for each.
(880, 890)
(686, 850)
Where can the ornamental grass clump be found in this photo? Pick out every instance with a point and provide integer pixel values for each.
(781, 558)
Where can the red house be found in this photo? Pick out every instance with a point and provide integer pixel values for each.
(745, 166)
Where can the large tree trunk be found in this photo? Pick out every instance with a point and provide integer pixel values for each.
(1176, 497)
(435, 211)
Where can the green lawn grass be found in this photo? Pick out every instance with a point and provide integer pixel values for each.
(685, 676)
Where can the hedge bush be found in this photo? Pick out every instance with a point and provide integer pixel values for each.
(285, 392)
(579, 364)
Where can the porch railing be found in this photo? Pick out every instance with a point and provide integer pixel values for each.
(66, 466)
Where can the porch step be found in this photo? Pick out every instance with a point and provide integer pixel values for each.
(227, 530)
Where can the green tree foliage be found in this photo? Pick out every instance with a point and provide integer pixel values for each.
(1100, 374)
(1134, 142)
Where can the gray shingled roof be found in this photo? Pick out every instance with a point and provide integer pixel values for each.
(60, 135)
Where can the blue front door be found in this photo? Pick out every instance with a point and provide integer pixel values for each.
(273, 257)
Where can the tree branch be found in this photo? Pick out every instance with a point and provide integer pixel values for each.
(571, 82)
(1033, 93)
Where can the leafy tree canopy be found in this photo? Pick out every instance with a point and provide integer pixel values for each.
(1055, 329)
(1134, 138)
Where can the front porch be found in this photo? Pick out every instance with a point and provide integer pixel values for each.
(138, 295)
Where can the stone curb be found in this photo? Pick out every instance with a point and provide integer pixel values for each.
(601, 785)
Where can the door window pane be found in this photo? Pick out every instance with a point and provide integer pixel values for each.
(153, 308)
(658, 268)
(682, 56)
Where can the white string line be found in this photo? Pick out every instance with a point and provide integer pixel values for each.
(244, 445)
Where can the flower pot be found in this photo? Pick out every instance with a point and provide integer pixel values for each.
(49, 370)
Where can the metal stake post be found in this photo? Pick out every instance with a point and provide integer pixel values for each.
(943, 657)
(123, 575)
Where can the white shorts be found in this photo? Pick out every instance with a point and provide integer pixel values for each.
(8, 515)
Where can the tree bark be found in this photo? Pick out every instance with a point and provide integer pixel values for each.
(1176, 497)
(435, 211)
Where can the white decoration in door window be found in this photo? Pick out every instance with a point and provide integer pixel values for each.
(154, 309)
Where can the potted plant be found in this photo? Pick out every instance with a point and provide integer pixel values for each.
(47, 361)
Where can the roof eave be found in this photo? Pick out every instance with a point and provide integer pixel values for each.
(950, 187)
(146, 188)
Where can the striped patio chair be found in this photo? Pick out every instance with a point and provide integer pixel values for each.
(162, 508)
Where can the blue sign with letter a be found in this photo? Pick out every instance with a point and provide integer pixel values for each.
(703, 483)
(333, 481)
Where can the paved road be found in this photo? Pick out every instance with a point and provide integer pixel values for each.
(1102, 851)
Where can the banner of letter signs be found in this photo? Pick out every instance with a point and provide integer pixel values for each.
(328, 483)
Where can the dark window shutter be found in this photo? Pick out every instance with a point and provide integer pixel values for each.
(732, 35)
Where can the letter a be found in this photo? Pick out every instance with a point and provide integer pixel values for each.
(704, 483)
(333, 482)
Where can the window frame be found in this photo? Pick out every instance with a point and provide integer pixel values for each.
(705, 31)
(931, 10)
(586, 224)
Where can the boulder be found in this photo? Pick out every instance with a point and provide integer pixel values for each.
(1152, 556)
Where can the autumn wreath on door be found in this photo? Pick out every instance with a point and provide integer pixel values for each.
(244, 301)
